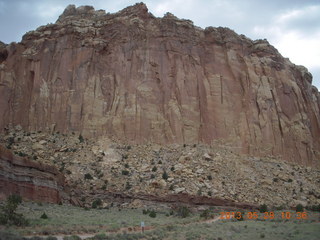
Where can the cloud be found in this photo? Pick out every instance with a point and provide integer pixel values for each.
(296, 34)
(50, 11)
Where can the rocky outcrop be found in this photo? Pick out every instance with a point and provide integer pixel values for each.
(29, 179)
(118, 173)
(145, 79)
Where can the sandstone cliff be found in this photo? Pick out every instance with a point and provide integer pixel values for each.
(31, 180)
(164, 80)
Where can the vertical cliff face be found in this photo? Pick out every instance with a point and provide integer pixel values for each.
(31, 180)
(164, 80)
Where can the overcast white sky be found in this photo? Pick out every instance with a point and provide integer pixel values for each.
(292, 26)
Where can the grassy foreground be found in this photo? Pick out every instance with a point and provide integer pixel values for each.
(124, 224)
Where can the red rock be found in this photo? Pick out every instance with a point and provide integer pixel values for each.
(162, 80)
(31, 180)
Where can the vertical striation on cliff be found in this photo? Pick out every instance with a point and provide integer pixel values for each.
(146, 79)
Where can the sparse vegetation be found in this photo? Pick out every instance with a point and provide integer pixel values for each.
(206, 214)
(96, 203)
(8, 214)
(73, 237)
(88, 176)
(125, 172)
(81, 139)
(152, 214)
(128, 186)
(165, 175)
(299, 208)
(44, 216)
(263, 208)
(315, 208)
(183, 211)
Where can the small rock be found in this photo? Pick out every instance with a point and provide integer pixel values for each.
(179, 190)
(43, 142)
(37, 146)
(18, 128)
(207, 157)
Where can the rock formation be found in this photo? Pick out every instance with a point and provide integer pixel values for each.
(31, 180)
(119, 173)
(145, 79)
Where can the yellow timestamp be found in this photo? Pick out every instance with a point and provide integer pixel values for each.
(265, 215)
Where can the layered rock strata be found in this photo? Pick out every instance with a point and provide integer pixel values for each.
(29, 179)
(145, 79)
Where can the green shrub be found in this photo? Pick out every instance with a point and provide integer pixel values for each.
(154, 169)
(44, 216)
(145, 211)
(81, 139)
(125, 172)
(315, 208)
(281, 207)
(199, 192)
(96, 203)
(126, 165)
(165, 175)
(88, 176)
(21, 154)
(299, 208)
(209, 177)
(183, 211)
(206, 214)
(128, 186)
(152, 214)
(8, 213)
(263, 208)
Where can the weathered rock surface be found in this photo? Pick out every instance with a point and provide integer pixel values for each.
(31, 180)
(163, 80)
(118, 173)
